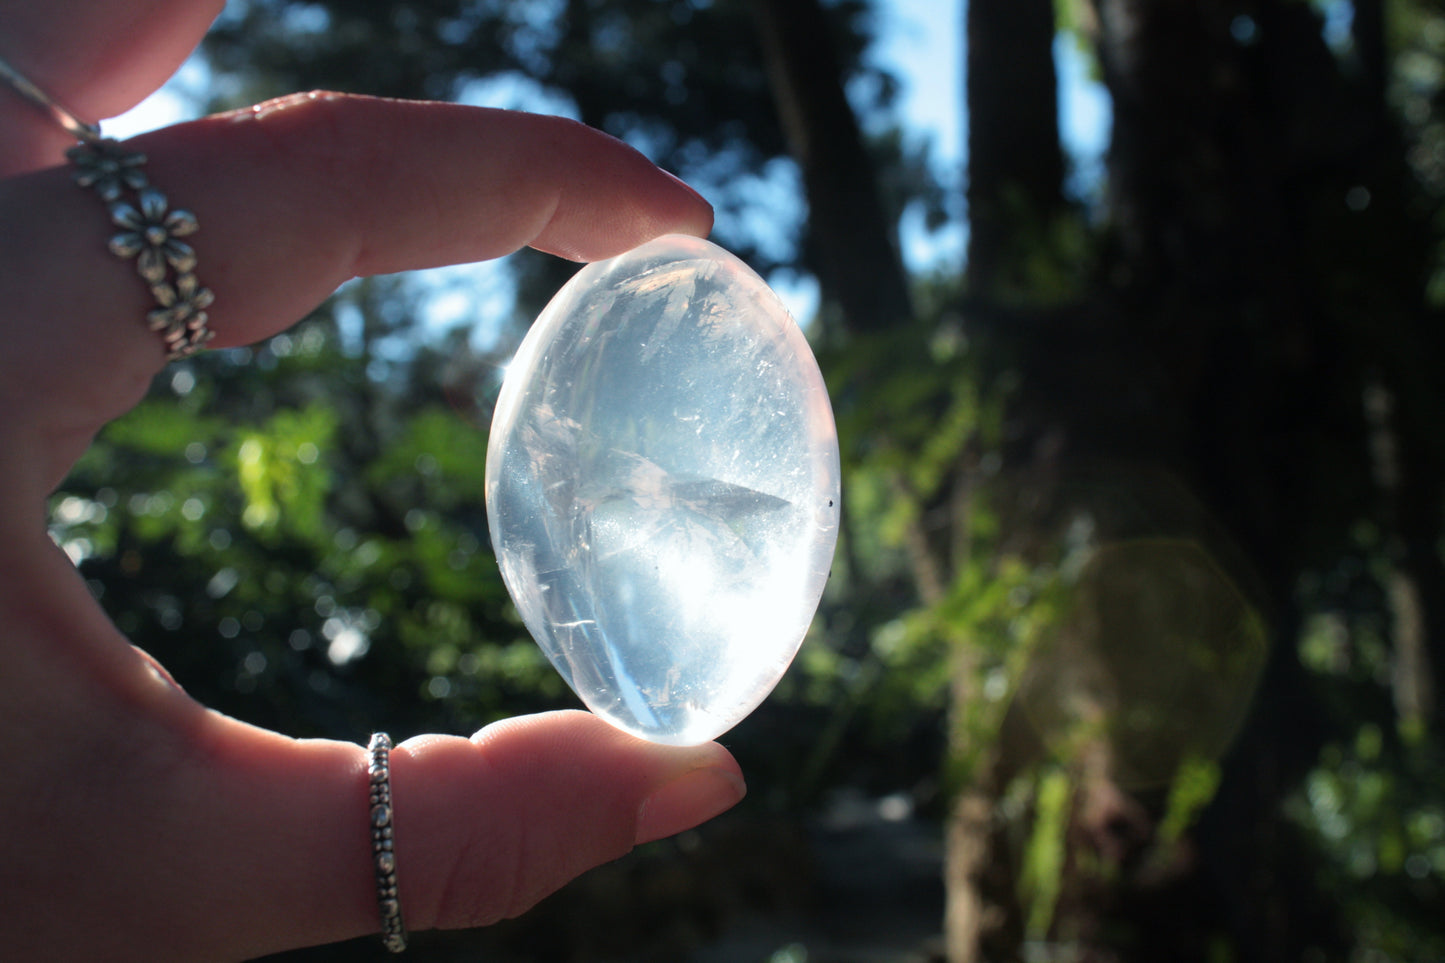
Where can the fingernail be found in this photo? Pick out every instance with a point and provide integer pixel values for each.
(687, 187)
(703, 226)
(688, 800)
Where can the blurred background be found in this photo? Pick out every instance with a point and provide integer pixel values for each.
(1132, 316)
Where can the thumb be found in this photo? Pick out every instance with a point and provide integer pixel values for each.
(492, 824)
(484, 827)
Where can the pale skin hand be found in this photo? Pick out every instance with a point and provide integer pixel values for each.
(138, 824)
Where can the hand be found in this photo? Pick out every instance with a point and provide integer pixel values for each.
(140, 825)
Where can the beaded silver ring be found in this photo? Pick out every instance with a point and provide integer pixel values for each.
(150, 229)
(383, 851)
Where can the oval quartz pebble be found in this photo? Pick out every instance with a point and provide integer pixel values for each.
(663, 488)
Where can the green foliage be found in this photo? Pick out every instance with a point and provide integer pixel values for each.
(1194, 785)
(997, 614)
(300, 558)
(1043, 863)
(1381, 828)
(280, 471)
(1371, 805)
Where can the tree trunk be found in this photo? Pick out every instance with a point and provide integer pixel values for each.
(1232, 121)
(1214, 349)
(1014, 194)
(858, 265)
(1015, 163)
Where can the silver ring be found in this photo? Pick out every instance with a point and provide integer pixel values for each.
(150, 229)
(383, 851)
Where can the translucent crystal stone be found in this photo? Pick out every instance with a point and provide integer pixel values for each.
(663, 488)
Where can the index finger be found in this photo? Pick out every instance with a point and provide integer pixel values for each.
(293, 198)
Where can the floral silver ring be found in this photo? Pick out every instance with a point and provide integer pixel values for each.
(151, 231)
